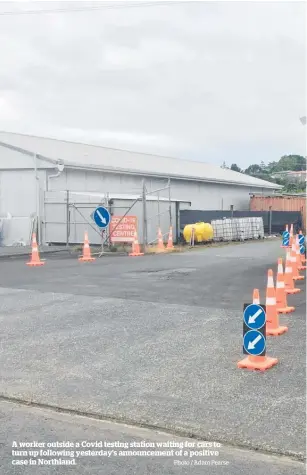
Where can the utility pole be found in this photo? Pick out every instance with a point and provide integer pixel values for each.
(37, 199)
(67, 219)
(170, 203)
(145, 239)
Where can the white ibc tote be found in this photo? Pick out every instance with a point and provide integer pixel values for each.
(237, 229)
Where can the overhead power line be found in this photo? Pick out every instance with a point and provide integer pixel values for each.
(92, 8)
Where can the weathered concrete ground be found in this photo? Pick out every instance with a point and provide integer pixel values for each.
(153, 341)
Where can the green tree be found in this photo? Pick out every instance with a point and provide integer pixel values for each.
(273, 167)
(292, 163)
(286, 163)
(235, 168)
(254, 169)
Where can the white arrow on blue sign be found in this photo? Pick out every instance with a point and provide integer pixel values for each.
(102, 217)
(254, 316)
(286, 235)
(302, 249)
(254, 342)
(301, 238)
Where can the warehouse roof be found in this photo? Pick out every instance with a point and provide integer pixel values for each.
(80, 155)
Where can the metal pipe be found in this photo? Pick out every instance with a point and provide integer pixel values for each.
(145, 236)
(159, 222)
(52, 176)
(37, 200)
(270, 220)
(67, 219)
(60, 166)
(170, 203)
(156, 239)
(86, 220)
(156, 191)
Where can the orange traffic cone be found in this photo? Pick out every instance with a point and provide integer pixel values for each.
(256, 297)
(35, 259)
(260, 363)
(291, 236)
(136, 251)
(272, 318)
(295, 272)
(289, 283)
(302, 260)
(300, 265)
(281, 296)
(170, 244)
(86, 257)
(160, 247)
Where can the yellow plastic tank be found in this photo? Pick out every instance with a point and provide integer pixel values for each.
(187, 232)
(203, 232)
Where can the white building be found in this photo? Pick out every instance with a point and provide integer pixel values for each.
(36, 173)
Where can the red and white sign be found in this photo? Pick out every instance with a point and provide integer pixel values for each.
(124, 231)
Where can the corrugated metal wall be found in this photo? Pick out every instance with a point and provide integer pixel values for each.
(280, 203)
(18, 193)
(18, 199)
(201, 195)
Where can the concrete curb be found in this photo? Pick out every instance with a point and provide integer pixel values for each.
(16, 255)
(44, 254)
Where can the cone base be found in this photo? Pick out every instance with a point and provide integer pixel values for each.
(276, 331)
(35, 264)
(285, 309)
(299, 277)
(262, 365)
(87, 259)
(134, 254)
(302, 267)
(292, 291)
(170, 248)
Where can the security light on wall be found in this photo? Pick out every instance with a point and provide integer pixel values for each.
(60, 165)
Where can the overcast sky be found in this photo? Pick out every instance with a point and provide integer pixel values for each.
(208, 81)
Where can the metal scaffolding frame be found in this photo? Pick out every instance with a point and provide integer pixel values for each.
(105, 235)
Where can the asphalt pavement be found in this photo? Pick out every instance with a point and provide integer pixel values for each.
(42, 425)
(151, 342)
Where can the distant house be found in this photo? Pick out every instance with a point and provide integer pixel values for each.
(291, 176)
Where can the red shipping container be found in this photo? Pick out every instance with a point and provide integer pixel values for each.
(280, 203)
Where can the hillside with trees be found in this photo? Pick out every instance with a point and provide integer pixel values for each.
(271, 172)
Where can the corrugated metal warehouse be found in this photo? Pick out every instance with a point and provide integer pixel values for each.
(38, 176)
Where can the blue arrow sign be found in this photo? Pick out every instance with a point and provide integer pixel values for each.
(254, 342)
(285, 242)
(301, 239)
(286, 235)
(302, 249)
(102, 217)
(254, 316)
